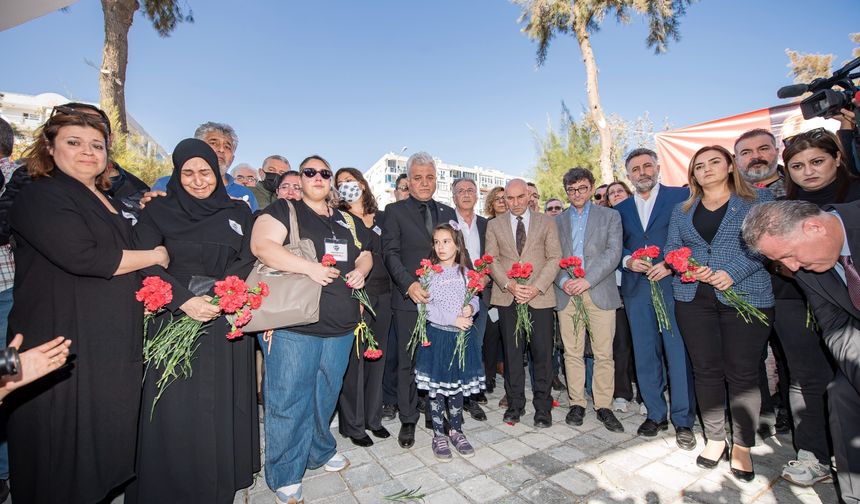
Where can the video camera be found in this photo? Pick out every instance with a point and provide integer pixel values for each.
(825, 101)
(10, 363)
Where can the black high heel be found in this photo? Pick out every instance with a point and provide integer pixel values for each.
(741, 475)
(706, 463)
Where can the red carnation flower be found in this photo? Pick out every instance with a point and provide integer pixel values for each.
(264, 288)
(328, 260)
(487, 258)
(437, 268)
(479, 263)
(235, 334)
(256, 301)
(578, 272)
(372, 354)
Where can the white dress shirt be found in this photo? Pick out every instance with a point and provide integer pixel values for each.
(644, 207)
(470, 235)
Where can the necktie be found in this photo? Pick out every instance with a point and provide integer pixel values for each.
(521, 235)
(428, 219)
(852, 279)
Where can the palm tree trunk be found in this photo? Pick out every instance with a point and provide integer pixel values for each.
(596, 110)
(118, 16)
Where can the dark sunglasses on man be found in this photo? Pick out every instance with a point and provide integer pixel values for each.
(325, 173)
(554, 208)
(597, 196)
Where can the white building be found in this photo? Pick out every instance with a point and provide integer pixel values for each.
(382, 175)
(28, 112)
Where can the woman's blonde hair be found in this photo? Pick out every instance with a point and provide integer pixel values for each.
(736, 182)
(490, 199)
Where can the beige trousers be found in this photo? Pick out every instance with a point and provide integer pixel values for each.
(602, 323)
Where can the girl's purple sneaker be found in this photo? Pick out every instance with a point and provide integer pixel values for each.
(441, 450)
(462, 444)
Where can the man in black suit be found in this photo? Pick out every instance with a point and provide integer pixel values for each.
(818, 245)
(474, 229)
(406, 239)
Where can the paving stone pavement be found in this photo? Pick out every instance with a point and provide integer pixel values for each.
(563, 464)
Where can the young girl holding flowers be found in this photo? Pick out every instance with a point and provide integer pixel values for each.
(436, 370)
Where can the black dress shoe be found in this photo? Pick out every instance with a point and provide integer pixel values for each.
(480, 398)
(475, 411)
(543, 419)
(389, 411)
(512, 415)
(406, 438)
(575, 415)
(684, 438)
(557, 384)
(706, 463)
(650, 428)
(783, 422)
(607, 417)
(491, 386)
(381, 433)
(361, 441)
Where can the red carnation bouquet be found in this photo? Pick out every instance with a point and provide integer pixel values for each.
(482, 264)
(682, 262)
(155, 295)
(573, 266)
(474, 285)
(648, 254)
(363, 333)
(520, 272)
(173, 346)
(419, 332)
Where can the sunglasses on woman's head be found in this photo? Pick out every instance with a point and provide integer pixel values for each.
(813, 134)
(82, 110)
(311, 173)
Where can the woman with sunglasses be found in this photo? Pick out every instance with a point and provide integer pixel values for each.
(305, 364)
(816, 169)
(360, 404)
(724, 350)
(72, 436)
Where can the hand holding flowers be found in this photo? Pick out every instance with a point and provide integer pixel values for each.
(419, 332)
(363, 334)
(649, 254)
(573, 266)
(520, 273)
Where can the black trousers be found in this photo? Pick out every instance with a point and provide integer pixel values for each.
(492, 347)
(622, 353)
(541, 347)
(389, 376)
(724, 351)
(809, 372)
(359, 406)
(844, 402)
(407, 397)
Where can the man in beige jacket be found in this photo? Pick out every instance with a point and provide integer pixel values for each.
(521, 235)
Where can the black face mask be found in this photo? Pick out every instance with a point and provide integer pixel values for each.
(270, 182)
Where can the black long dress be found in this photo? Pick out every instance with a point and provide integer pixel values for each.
(72, 434)
(202, 443)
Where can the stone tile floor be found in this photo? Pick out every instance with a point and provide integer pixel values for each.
(562, 464)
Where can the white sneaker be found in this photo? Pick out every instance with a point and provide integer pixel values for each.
(806, 470)
(619, 404)
(337, 463)
(291, 494)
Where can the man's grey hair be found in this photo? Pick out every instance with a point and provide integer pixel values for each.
(420, 158)
(641, 151)
(275, 156)
(224, 129)
(777, 219)
(240, 166)
(462, 179)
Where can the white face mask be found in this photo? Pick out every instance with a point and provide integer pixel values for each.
(350, 191)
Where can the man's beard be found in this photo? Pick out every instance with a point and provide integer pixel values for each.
(645, 184)
(753, 173)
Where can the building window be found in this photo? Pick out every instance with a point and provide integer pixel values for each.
(470, 176)
(455, 174)
(392, 163)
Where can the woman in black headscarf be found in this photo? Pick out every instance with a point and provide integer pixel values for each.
(202, 442)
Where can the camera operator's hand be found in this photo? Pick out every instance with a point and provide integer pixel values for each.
(847, 118)
(36, 362)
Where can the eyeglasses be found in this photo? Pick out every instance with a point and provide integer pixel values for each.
(597, 196)
(499, 198)
(290, 187)
(813, 134)
(554, 209)
(577, 190)
(82, 109)
(466, 191)
(403, 188)
(245, 177)
(325, 173)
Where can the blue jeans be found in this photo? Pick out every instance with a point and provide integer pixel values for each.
(5, 308)
(303, 378)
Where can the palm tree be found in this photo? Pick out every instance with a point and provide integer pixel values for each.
(118, 15)
(544, 18)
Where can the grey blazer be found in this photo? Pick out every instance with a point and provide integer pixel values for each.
(602, 253)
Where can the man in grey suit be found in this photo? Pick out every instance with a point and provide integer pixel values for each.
(592, 233)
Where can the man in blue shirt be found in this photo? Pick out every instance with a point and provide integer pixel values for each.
(224, 141)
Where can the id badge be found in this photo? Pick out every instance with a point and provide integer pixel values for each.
(337, 248)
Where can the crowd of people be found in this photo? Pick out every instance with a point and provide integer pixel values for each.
(78, 233)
